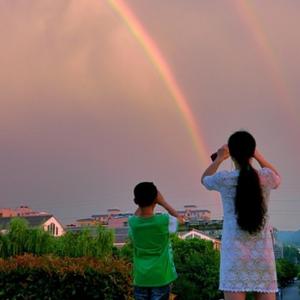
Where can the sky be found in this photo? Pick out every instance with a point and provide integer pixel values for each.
(86, 112)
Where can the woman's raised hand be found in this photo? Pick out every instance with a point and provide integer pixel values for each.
(223, 153)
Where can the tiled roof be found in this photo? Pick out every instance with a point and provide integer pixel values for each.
(34, 221)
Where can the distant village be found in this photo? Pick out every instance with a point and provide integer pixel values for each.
(198, 224)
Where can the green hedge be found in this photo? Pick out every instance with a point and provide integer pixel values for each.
(46, 277)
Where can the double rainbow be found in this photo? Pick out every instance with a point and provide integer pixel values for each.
(248, 16)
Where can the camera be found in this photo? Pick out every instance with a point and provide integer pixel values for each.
(214, 156)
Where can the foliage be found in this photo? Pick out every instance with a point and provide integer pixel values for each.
(4, 252)
(197, 264)
(286, 271)
(46, 277)
(291, 254)
(17, 236)
(126, 252)
(21, 239)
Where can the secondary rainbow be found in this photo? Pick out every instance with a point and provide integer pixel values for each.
(165, 73)
(247, 14)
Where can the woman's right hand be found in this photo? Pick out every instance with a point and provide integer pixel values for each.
(223, 153)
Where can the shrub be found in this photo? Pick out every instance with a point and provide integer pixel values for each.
(46, 277)
(197, 264)
(286, 271)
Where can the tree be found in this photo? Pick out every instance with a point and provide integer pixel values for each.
(286, 271)
(17, 236)
(21, 239)
(291, 254)
(197, 264)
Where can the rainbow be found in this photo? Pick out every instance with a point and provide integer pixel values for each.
(165, 73)
(248, 16)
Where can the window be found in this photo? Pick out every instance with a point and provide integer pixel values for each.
(51, 228)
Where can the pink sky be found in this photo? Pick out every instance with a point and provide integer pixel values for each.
(85, 115)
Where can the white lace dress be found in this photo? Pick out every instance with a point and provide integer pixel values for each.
(247, 261)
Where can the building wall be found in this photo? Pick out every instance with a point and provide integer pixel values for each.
(117, 222)
(7, 212)
(21, 211)
(24, 211)
(88, 222)
(191, 213)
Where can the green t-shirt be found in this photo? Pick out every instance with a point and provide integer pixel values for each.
(153, 264)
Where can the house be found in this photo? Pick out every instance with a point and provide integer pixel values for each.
(113, 219)
(192, 213)
(47, 222)
(20, 211)
(87, 222)
(7, 212)
(194, 233)
(212, 228)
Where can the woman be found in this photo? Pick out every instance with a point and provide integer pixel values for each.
(247, 257)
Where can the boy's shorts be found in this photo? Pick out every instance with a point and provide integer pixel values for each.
(149, 293)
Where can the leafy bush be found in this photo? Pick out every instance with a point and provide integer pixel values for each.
(46, 277)
(126, 252)
(197, 264)
(291, 254)
(286, 271)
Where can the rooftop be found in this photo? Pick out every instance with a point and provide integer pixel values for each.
(34, 221)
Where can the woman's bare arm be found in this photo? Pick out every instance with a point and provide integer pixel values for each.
(222, 154)
(263, 162)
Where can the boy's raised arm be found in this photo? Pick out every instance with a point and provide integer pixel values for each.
(160, 200)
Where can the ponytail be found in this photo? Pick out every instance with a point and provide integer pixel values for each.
(249, 203)
(250, 207)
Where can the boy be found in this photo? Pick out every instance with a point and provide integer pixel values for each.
(153, 266)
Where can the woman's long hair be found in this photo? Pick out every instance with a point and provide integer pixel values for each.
(250, 207)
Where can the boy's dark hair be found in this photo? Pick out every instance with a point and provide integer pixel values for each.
(145, 194)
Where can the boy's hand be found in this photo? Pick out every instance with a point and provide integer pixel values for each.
(181, 220)
(160, 199)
